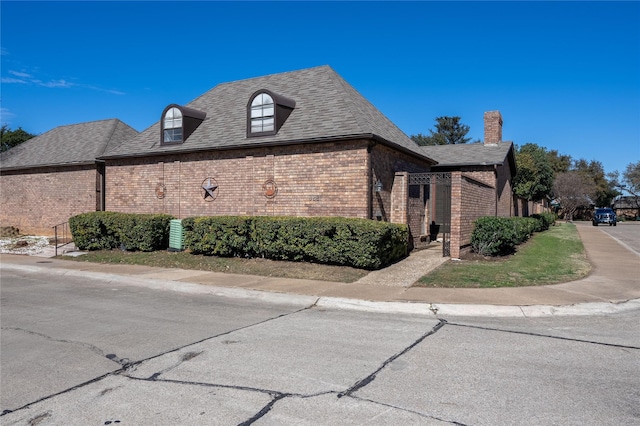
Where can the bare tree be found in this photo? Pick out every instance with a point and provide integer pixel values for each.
(572, 190)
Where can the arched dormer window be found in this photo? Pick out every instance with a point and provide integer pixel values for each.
(262, 114)
(267, 112)
(172, 126)
(178, 123)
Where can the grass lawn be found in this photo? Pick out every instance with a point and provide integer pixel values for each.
(554, 256)
(550, 257)
(230, 265)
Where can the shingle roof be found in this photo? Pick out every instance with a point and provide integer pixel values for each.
(474, 154)
(68, 145)
(326, 108)
(626, 202)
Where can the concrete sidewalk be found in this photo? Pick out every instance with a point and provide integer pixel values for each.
(614, 279)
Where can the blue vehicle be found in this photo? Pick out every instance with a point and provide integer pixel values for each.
(604, 215)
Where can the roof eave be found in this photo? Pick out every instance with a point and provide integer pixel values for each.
(43, 166)
(269, 144)
(440, 165)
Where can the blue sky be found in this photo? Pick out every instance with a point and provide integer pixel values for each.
(564, 75)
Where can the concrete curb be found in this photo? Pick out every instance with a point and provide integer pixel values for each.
(409, 308)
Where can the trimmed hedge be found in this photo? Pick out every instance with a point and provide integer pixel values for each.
(494, 236)
(109, 230)
(359, 243)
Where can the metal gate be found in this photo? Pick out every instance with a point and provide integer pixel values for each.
(439, 199)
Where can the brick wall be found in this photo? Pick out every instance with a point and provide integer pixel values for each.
(506, 207)
(470, 199)
(34, 200)
(312, 180)
(492, 127)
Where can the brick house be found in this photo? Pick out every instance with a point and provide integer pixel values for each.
(627, 207)
(301, 143)
(481, 183)
(54, 176)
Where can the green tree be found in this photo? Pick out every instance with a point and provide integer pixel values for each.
(449, 131)
(559, 163)
(631, 178)
(603, 189)
(534, 176)
(11, 138)
(630, 183)
(573, 191)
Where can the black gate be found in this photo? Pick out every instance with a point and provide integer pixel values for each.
(438, 194)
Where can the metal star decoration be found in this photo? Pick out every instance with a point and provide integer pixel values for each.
(209, 187)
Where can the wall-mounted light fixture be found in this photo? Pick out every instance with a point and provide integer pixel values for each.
(378, 186)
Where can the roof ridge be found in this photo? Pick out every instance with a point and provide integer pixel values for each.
(259, 77)
(337, 79)
(109, 137)
(80, 124)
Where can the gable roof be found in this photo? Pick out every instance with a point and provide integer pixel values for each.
(75, 144)
(475, 154)
(626, 202)
(327, 108)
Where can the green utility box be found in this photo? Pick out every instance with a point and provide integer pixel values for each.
(176, 235)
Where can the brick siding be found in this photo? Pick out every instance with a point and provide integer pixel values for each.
(470, 199)
(35, 200)
(492, 127)
(312, 180)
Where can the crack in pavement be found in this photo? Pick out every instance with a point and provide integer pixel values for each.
(89, 346)
(278, 395)
(262, 412)
(136, 363)
(275, 395)
(128, 365)
(529, 333)
(453, 422)
(186, 357)
(362, 383)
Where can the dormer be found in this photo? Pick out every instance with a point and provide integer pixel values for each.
(178, 123)
(267, 112)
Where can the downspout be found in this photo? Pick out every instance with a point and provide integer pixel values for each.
(102, 171)
(369, 182)
(495, 171)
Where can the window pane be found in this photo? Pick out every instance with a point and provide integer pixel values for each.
(173, 135)
(262, 114)
(256, 112)
(262, 99)
(173, 118)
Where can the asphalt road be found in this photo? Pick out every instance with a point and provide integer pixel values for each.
(80, 352)
(628, 234)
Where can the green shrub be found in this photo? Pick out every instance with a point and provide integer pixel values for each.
(217, 236)
(547, 219)
(494, 236)
(359, 243)
(109, 230)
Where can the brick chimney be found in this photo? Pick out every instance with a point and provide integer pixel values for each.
(492, 128)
